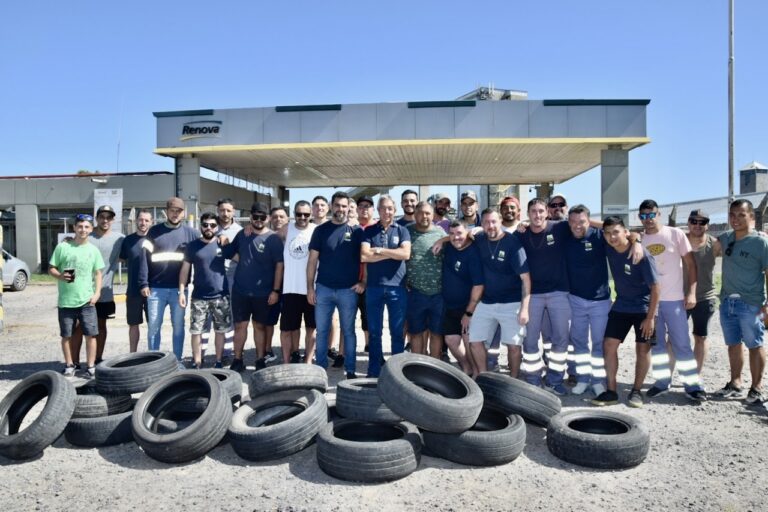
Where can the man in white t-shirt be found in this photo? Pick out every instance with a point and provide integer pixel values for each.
(669, 247)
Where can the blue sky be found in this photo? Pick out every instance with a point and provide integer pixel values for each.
(77, 74)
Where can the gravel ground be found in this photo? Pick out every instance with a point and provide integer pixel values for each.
(703, 457)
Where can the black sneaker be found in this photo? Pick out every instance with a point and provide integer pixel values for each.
(332, 354)
(654, 392)
(237, 365)
(351, 375)
(572, 380)
(635, 398)
(218, 364)
(606, 398)
(754, 397)
(338, 361)
(729, 390)
(697, 396)
(261, 363)
(295, 357)
(269, 357)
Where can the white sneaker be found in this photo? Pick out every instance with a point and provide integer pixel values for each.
(580, 388)
(598, 389)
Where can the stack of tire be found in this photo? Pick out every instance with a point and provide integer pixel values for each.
(285, 412)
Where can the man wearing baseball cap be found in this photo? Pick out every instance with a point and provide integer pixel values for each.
(441, 203)
(469, 209)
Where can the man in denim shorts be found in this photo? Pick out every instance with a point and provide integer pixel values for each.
(742, 299)
(77, 265)
(210, 294)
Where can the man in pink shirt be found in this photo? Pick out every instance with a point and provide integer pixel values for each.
(669, 247)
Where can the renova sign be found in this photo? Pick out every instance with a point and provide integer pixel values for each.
(200, 129)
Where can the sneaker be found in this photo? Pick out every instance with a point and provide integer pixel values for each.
(295, 357)
(558, 389)
(598, 389)
(90, 372)
(572, 380)
(269, 357)
(332, 354)
(635, 398)
(98, 361)
(580, 388)
(218, 364)
(697, 395)
(78, 368)
(261, 363)
(729, 390)
(237, 365)
(351, 375)
(606, 398)
(755, 397)
(654, 392)
(197, 366)
(338, 361)
(69, 370)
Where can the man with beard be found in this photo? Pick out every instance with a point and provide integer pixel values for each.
(278, 219)
(210, 294)
(408, 201)
(442, 204)
(296, 237)
(159, 273)
(510, 213)
(557, 208)
(258, 283)
(334, 258)
(469, 209)
(131, 252)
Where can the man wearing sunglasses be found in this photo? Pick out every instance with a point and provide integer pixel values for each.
(557, 208)
(296, 236)
(159, 270)
(669, 248)
(258, 283)
(742, 299)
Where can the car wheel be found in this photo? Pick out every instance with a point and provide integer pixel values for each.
(19, 281)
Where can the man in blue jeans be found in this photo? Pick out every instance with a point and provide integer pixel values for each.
(385, 248)
(742, 299)
(159, 269)
(334, 259)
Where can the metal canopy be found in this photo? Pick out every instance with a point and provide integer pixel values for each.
(386, 144)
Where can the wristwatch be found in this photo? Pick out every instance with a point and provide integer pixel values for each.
(468, 313)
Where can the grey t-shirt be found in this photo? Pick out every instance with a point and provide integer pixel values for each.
(109, 246)
(743, 269)
(705, 270)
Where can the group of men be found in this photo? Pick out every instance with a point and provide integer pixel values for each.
(540, 287)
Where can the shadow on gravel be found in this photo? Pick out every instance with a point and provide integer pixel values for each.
(11, 462)
(19, 371)
(131, 456)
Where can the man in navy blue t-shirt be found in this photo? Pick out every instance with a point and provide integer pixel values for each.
(333, 280)
(637, 300)
(386, 247)
(258, 283)
(132, 252)
(506, 294)
(210, 295)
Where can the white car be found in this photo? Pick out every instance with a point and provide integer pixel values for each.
(15, 272)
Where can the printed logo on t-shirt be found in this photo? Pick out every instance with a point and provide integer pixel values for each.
(656, 249)
(347, 236)
(457, 266)
(297, 248)
(501, 256)
(396, 240)
(627, 269)
(588, 246)
(550, 239)
(218, 251)
(260, 247)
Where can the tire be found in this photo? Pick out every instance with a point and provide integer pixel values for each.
(287, 376)
(368, 452)
(233, 385)
(100, 431)
(89, 403)
(277, 425)
(598, 439)
(50, 423)
(493, 440)
(430, 393)
(513, 396)
(134, 372)
(197, 439)
(19, 282)
(358, 399)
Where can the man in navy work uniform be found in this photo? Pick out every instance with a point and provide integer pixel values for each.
(159, 273)
(210, 295)
(132, 251)
(506, 294)
(637, 299)
(386, 247)
(258, 283)
(334, 258)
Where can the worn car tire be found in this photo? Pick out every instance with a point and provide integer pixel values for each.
(513, 396)
(368, 452)
(100, 431)
(197, 439)
(89, 403)
(493, 440)
(19, 282)
(430, 393)
(49, 424)
(277, 425)
(134, 372)
(287, 376)
(233, 385)
(598, 439)
(358, 399)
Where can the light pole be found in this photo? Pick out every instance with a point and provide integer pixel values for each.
(731, 196)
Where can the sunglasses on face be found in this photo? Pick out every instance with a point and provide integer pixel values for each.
(698, 222)
(84, 217)
(302, 215)
(259, 216)
(646, 216)
(556, 205)
(209, 224)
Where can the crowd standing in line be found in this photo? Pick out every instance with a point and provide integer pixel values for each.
(539, 286)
